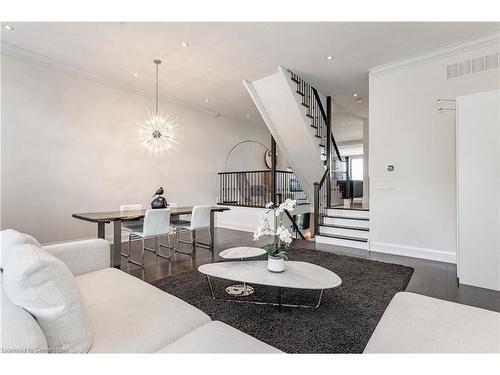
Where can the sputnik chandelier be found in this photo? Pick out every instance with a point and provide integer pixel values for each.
(159, 132)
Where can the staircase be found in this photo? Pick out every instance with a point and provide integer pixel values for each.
(349, 227)
(299, 119)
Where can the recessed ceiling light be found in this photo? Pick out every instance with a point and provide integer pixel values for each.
(355, 95)
(8, 27)
(185, 44)
(359, 101)
(248, 115)
(207, 100)
(329, 57)
(136, 75)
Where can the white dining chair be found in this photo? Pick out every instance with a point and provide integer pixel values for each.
(156, 224)
(133, 224)
(200, 219)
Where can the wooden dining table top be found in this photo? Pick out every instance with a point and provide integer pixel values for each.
(108, 216)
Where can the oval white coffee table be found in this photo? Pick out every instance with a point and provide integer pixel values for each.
(297, 275)
(241, 253)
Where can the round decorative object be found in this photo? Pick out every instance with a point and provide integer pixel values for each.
(275, 264)
(159, 202)
(241, 290)
(268, 158)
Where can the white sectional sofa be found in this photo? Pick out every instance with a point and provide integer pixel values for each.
(413, 323)
(126, 314)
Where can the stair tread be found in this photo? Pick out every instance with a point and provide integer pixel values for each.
(347, 217)
(344, 227)
(340, 237)
(348, 208)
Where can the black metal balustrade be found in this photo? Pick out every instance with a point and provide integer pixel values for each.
(253, 188)
(335, 183)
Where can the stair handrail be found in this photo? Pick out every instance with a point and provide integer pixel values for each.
(325, 119)
(294, 224)
(317, 188)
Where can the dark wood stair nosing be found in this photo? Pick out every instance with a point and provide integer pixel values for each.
(344, 227)
(340, 237)
(348, 208)
(347, 218)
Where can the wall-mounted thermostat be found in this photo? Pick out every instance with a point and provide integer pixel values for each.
(390, 167)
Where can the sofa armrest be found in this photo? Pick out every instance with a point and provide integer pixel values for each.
(82, 256)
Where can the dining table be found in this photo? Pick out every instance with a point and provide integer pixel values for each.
(117, 217)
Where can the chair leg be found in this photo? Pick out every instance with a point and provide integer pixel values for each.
(193, 240)
(129, 247)
(143, 251)
(156, 249)
(127, 255)
(129, 258)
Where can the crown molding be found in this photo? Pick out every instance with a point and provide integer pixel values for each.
(450, 50)
(39, 59)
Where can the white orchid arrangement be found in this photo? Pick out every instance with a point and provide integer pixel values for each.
(282, 236)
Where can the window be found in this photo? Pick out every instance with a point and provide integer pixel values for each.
(357, 169)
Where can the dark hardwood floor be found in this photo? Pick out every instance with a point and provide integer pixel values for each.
(435, 279)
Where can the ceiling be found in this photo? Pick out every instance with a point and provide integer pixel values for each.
(221, 55)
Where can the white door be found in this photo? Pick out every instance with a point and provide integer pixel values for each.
(478, 189)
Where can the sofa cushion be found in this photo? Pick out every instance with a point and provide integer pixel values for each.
(218, 337)
(46, 288)
(20, 331)
(413, 323)
(131, 316)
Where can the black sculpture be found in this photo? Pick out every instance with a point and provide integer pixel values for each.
(159, 201)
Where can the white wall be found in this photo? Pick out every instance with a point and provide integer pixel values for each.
(69, 145)
(413, 209)
(366, 162)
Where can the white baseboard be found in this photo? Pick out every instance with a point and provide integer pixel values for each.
(236, 226)
(413, 252)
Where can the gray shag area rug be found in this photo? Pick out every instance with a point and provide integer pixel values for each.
(343, 323)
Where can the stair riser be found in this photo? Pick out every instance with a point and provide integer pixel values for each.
(347, 222)
(340, 242)
(348, 213)
(345, 232)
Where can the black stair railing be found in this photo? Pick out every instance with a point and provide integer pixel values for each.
(254, 188)
(336, 170)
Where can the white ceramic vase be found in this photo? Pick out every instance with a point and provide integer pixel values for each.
(275, 264)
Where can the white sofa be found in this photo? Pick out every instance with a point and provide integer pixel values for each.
(127, 315)
(413, 323)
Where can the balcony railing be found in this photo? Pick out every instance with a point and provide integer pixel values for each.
(253, 188)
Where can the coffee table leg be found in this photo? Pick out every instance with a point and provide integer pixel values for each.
(320, 298)
(210, 287)
(280, 304)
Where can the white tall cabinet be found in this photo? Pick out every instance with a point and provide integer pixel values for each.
(478, 189)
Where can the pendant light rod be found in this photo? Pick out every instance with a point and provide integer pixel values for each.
(157, 62)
